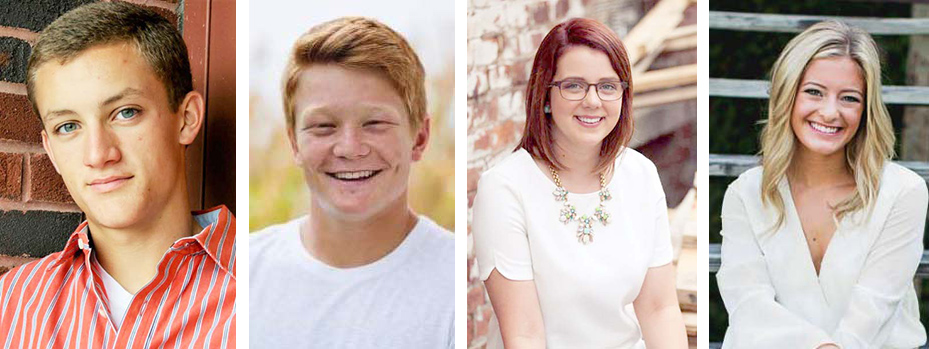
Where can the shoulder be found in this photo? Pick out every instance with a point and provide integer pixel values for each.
(433, 256)
(748, 181)
(630, 160)
(511, 167)
(894, 173)
(437, 243)
(898, 180)
(28, 277)
(508, 175)
(269, 237)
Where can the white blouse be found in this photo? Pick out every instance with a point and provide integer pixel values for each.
(863, 296)
(585, 291)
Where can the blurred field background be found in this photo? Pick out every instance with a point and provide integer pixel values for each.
(277, 191)
(734, 127)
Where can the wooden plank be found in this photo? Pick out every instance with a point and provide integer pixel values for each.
(733, 165)
(651, 30)
(758, 22)
(664, 78)
(726, 165)
(687, 279)
(690, 322)
(758, 89)
(652, 99)
(681, 43)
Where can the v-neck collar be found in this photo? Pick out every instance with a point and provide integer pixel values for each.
(795, 229)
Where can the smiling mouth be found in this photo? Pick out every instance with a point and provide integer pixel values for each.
(353, 176)
(829, 130)
(589, 120)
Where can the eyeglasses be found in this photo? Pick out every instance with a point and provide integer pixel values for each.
(576, 90)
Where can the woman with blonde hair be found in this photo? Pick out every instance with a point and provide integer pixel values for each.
(821, 242)
(566, 270)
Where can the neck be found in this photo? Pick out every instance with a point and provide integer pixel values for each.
(345, 242)
(131, 254)
(577, 158)
(809, 169)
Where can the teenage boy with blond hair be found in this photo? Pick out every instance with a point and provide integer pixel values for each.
(361, 270)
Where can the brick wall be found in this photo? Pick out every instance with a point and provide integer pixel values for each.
(502, 39)
(36, 211)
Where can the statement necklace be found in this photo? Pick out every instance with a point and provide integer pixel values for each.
(585, 230)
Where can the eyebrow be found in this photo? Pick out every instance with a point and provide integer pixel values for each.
(582, 79)
(840, 91)
(129, 91)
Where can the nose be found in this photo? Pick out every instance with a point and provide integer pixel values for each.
(592, 100)
(350, 145)
(829, 110)
(101, 147)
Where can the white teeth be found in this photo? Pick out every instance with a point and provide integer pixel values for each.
(824, 128)
(589, 120)
(353, 175)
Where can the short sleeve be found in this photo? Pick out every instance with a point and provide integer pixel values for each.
(662, 253)
(498, 227)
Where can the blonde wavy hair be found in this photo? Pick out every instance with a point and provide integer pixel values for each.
(872, 144)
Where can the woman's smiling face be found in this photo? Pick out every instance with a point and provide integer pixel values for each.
(829, 104)
(588, 121)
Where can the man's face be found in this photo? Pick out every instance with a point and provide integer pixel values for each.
(352, 137)
(111, 134)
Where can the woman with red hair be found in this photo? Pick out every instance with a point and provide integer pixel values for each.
(571, 229)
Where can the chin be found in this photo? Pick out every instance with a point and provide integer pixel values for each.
(114, 214)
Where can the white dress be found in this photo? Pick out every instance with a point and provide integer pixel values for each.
(863, 296)
(585, 291)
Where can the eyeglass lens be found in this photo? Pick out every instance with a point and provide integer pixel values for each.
(577, 90)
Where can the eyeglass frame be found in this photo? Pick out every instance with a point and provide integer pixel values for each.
(557, 84)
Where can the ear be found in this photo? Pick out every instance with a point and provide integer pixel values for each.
(191, 115)
(421, 139)
(48, 150)
(294, 150)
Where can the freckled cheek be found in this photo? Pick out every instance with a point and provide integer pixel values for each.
(314, 151)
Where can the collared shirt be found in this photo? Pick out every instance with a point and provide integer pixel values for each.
(59, 301)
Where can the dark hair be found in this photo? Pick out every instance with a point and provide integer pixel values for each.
(101, 23)
(537, 135)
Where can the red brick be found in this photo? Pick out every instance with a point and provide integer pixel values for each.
(470, 329)
(475, 297)
(474, 174)
(561, 8)
(11, 176)
(539, 13)
(480, 327)
(17, 120)
(46, 184)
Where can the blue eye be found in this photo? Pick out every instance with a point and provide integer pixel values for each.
(66, 128)
(127, 113)
(851, 99)
(813, 91)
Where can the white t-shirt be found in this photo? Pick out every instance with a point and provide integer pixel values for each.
(404, 300)
(117, 296)
(863, 296)
(585, 291)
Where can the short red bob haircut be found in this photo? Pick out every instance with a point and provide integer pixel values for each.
(537, 136)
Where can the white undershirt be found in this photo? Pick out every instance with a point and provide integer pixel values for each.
(118, 296)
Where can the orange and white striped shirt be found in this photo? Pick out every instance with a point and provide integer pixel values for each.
(60, 301)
